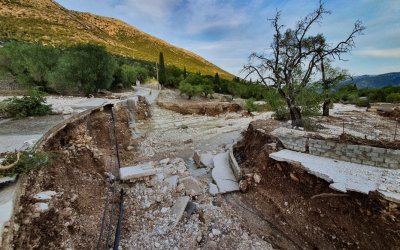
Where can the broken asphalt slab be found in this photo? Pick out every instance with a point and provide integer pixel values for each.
(223, 175)
(137, 171)
(346, 176)
(178, 209)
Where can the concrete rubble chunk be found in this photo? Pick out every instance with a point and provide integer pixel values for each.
(45, 195)
(172, 181)
(137, 171)
(346, 176)
(223, 175)
(192, 186)
(213, 189)
(203, 159)
(178, 208)
(41, 207)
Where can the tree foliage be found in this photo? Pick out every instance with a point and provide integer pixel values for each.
(162, 76)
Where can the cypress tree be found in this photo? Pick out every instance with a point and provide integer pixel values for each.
(162, 77)
(216, 79)
(184, 73)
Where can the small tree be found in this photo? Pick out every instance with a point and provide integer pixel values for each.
(184, 73)
(162, 77)
(189, 89)
(330, 78)
(295, 56)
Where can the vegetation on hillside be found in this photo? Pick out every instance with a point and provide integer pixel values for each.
(46, 22)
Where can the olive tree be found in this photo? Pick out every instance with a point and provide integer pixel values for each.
(295, 56)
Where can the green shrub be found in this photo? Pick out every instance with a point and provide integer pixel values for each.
(362, 102)
(251, 106)
(281, 114)
(189, 89)
(28, 161)
(393, 98)
(34, 104)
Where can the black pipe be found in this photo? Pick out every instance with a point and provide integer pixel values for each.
(118, 230)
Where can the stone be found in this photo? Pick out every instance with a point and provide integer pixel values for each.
(45, 195)
(192, 186)
(41, 207)
(164, 161)
(244, 185)
(196, 158)
(172, 181)
(178, 208)
(213, 189)
(190, 208)
(216, 232)
(130, 148)
(137, 171)
(188, 141)
(257, 178)
(223, 175)
(165, 209)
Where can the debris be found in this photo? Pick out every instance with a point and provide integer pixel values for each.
(165, 161)
(294, 177)
(188, 141)
(223, 174)
(190, 208)
(257, 178)
(172, 181)
(165, 209)
(178, 208)
(216, 232)
(244, 185)
(41, 207)
(192, 186)
(7, 180)
(138, 171)
(213, 189)
(203, 160)
(45, 195)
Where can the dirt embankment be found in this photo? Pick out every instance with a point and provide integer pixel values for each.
(171, 100)
(302, 209)
(83, 151)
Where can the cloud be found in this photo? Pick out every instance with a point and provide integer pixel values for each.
(386, 53)
(151, 10)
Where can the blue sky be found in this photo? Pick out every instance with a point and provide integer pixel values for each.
(226, 32)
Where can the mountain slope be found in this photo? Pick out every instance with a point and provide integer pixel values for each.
(375, 81)
(47, 22)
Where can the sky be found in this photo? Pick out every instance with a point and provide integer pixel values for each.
(227, 32)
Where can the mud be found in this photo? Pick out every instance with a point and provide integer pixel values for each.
(83, 151)
(300, 211)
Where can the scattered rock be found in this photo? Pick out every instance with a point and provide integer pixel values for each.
(192, 186)
(45, 195)
(188, 141)
(216, 232)
(244, 186)
(165, 209)
(130, 148)
(257, 178)
(138, 171)
(294, 177)
(196, 158)
(41, 207)
(213, 189)
(190, 208)
(172, 181)
(178, 208)
(165, 161)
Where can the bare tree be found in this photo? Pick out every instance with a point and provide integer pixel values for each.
(295, 56)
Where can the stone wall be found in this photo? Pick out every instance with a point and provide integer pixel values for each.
(362, 154)
(302, 141)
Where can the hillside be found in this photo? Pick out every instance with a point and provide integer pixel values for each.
(47, 22)
(375, 81)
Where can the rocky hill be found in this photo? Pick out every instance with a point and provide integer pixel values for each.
(47, 22)
(375, 81)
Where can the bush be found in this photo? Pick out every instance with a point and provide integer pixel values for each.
(362, 102)
(189, 89)
(393, 98)
(34, 104)
(28, 161)
(281, 114)
(251, 106)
